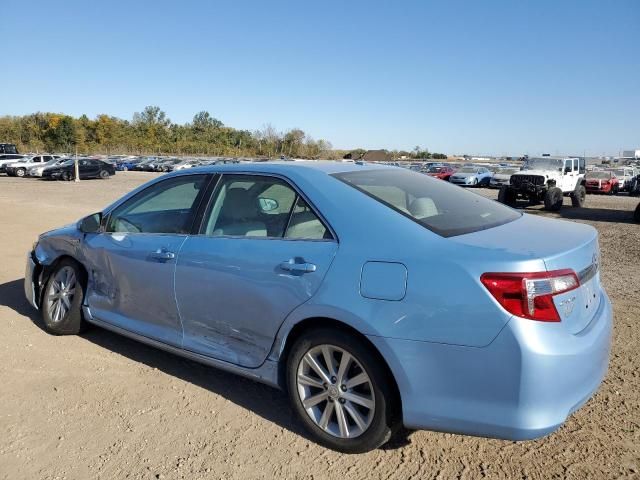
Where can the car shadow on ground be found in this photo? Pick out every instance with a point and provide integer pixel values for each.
(270, 403)
(585, 213)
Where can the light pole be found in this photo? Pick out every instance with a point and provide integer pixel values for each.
(77, 170)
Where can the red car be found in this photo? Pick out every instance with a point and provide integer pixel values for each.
(601, 182)
(443, 173)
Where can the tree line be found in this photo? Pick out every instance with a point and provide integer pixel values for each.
(152, 132)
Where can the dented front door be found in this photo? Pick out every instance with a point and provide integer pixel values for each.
(131, 283)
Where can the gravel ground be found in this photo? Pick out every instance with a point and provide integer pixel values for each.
(102, 406)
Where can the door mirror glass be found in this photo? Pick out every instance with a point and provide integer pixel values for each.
(568, 169)
(91, 223)
(268, 204)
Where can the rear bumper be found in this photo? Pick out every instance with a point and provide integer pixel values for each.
(521, 386)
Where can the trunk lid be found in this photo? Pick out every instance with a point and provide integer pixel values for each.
(560, 245)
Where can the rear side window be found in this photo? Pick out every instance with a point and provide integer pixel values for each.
(443, 208)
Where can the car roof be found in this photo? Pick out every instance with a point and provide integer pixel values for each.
(284, 167)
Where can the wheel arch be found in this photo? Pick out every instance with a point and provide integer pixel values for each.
(310, 323)
(48, 269)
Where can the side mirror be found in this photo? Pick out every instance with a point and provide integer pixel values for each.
(91, 223)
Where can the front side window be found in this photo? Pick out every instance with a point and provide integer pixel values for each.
(261, 206)
(167, 207)
(439, 206)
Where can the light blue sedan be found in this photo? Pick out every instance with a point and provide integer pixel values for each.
(472, 176)
(376, 296)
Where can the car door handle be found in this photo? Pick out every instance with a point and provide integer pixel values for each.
(163, 255)
(297, 267)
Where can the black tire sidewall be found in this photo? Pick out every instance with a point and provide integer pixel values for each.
(553, 199)
(383, 423)
(507, 196)
(636, 214)
(73, 323)
(579, 196)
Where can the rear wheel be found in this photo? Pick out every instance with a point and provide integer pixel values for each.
(66, 176)
(62, 300)
(104, 174)
(124, 168)
(340, 391)
(636, 214)
(507, 195)
(579, 196)
(20, 172)
(553, 199)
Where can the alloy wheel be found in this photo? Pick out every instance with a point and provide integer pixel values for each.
(336, 391)
(61, 292)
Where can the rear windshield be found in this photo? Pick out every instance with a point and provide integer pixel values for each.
(443, 208)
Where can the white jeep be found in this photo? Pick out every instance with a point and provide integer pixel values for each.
(548, 180)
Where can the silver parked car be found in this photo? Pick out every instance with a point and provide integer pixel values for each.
(376, 296)
(502, 176)
(471, 176)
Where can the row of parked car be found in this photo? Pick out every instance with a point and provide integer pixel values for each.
(164, 164)
(55, 167)
(597, 180)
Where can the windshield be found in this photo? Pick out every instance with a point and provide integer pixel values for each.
(619, 173)
(543, 164)
(598, 175)
(467, 170)
(439, 206)
(507, 171)
(68, 162)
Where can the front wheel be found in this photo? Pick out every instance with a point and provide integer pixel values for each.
(62, 300)
(20, 172)
(579, 196)
(553, 199)
(124, 169)
(340, 391)
(507, 195)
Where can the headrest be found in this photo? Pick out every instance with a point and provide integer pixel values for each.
(423, 207)
(239, 205)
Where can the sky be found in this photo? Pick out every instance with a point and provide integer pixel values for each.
(479, 77)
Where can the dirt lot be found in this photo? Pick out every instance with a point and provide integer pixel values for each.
(101, 406)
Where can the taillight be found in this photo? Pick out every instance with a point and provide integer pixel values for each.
(530, 295)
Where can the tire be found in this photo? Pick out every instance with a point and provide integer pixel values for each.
(636, 214)
(66, 176)
(124, 169)
(103, 174)
(60, 317)
(507, 195)
(553, 199)
(377, 422)
(20, 172)
(579, 196)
